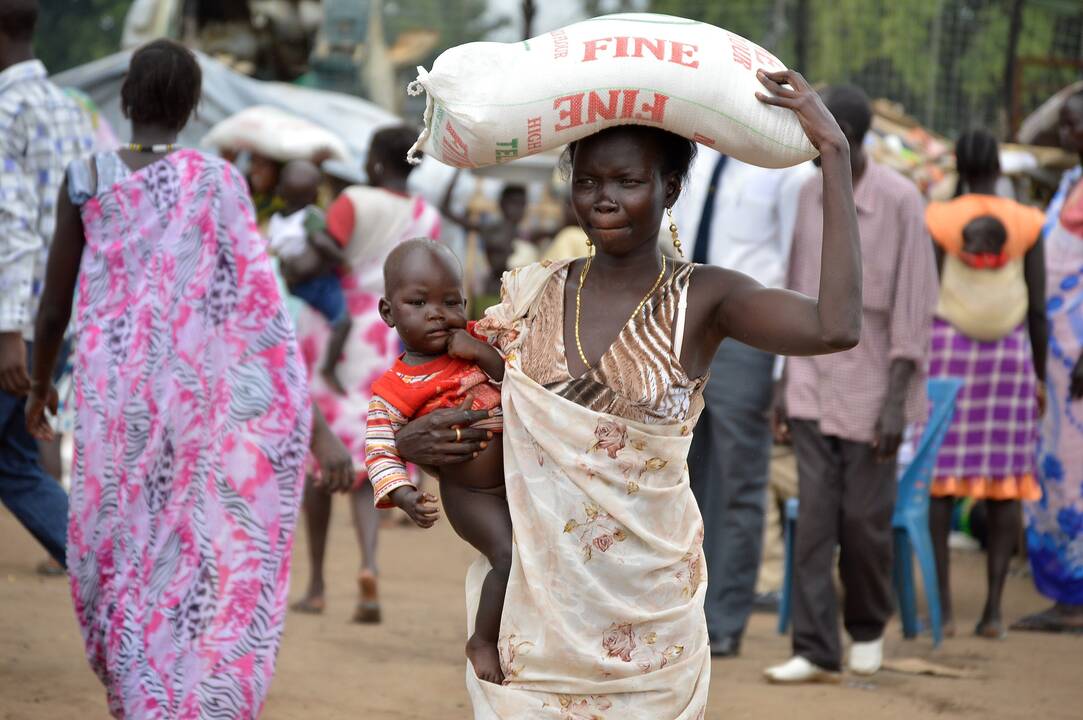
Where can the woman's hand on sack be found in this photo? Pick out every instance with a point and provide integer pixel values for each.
(789, 89)
(443, 437)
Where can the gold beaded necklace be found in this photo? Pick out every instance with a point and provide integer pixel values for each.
(579, 303)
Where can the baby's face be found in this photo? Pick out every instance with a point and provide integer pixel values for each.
(427, 303)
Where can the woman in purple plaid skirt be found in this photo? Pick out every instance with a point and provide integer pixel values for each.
(990, 331)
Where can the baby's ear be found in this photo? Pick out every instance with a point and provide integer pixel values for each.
(385, 312)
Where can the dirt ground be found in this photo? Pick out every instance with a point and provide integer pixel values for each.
(412, 666)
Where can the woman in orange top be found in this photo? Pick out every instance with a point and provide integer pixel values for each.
(990, 331)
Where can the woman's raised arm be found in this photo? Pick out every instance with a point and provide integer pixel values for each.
(785, 322)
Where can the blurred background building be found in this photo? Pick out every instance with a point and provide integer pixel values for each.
(952, 64)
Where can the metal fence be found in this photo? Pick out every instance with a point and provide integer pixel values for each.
(953, 64)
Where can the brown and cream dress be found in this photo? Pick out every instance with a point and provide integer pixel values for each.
(603, 616)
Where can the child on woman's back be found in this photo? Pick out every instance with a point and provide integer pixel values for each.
(444, 366)
(982, 292)
(310, 258)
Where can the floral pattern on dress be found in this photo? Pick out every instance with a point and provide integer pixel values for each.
(690, 574)
(621, 641)
(597, 532)
(605, 523)
(583, 707)
(512, 647)
(611, 437)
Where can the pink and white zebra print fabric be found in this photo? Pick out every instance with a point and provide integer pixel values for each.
(191, 435)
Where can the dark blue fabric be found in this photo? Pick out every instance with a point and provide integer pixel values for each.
(33, 497)
(703, 234)
(324, 295)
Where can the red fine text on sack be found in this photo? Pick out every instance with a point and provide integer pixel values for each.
(623, 46)
(454, 148)
(743, 52)
(560, 44)
(592, 106)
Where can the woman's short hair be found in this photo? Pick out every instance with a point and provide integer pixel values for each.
(677, 152)
(390, 145)
(162, 86)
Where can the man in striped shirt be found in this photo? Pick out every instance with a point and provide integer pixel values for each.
(41, 131)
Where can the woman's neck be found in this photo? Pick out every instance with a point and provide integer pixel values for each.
(646, 257)
(982, 186)
(148, 135)
(394, 184)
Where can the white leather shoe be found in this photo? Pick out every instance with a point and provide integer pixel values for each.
(799, 670)
(866, 657)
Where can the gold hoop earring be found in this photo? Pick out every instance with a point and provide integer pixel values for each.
(673, 232)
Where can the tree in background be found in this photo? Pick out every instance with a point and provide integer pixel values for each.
(73, 32)
(945, 60)
(457, 21)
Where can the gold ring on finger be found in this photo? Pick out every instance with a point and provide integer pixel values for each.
(458, 435)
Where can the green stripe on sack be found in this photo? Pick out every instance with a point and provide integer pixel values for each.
(732, 119)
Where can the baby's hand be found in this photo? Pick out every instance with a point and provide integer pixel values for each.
(421, 507)
(464, 346)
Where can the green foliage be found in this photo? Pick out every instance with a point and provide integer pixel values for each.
(459, 21)
(910, 50)
(73, 32)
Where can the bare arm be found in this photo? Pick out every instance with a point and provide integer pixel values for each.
(336, 466)
(1037, 322)
(445, 208)
(891, 423)
(491, 362)
(465, 346)
(329, 248)
(61, 276)
(785, 322)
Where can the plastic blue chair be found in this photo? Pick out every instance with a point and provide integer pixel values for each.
(910, 522)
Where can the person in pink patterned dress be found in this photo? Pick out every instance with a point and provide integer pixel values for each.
(367, 222)
(193, 418)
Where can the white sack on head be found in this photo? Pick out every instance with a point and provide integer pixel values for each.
(489, 103)
(276, 134)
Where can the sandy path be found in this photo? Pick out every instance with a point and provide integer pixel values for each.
(412, 667)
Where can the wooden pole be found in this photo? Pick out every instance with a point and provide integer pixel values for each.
(1012, 81)
(529, 11)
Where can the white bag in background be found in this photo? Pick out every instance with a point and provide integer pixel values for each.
(492, 102)
(277, 135)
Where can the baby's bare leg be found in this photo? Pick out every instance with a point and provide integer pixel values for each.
(482, 519)
(485, 472)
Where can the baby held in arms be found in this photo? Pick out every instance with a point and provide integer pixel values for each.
(444, 366)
